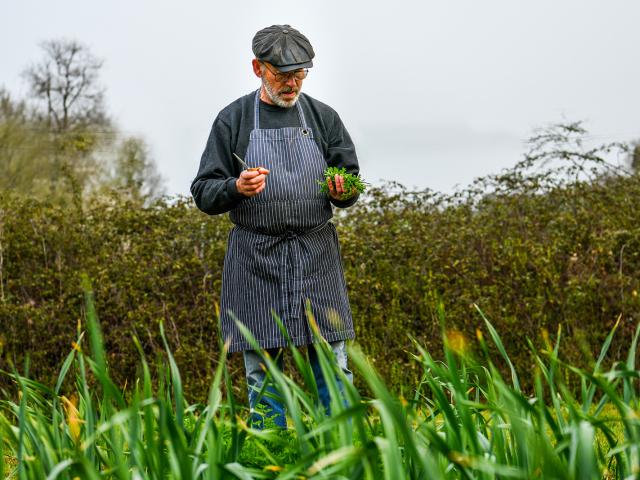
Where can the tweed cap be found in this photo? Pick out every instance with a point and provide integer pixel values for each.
(283, 47)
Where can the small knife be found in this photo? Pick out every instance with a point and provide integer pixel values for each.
(244, 164)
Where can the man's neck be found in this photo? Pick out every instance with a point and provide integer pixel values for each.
(265, 97)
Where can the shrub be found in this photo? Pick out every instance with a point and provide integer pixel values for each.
(535, 248)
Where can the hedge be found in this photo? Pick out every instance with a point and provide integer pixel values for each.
(533, 257)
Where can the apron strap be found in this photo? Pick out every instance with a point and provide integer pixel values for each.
(256, 113)
(301, 115)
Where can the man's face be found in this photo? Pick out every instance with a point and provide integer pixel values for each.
(282, 89)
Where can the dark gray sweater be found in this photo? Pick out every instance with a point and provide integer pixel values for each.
(214, 188)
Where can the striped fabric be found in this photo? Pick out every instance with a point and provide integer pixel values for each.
(283, 250)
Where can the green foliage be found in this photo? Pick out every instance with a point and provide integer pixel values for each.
(128, 252)
(535, 253)
(352, 183)
(463, 420)
(38, 162)
(29, 161)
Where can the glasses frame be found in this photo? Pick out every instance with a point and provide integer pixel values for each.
(285, 76)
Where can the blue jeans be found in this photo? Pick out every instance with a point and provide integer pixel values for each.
(273, 407)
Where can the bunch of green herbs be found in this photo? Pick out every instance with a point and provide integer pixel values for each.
(352, 183)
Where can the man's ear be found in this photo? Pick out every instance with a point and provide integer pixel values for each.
(257, 68)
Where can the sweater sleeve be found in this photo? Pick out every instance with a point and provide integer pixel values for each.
(214, 188)
(341, 153)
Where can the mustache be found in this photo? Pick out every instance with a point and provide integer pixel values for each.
(288, 90)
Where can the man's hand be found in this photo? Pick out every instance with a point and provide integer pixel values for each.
(252, 182)
(337, 191)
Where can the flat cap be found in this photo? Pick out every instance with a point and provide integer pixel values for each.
(283, 47)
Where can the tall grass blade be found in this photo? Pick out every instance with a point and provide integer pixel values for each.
(65, 369)
(60, 468)
(86, 403)
(583, 463)
(95, 334)
(391, 408)
(629, 390)
(215, 400)
(176, 381)
(498, 342)
(591, 390)
(22, 423)
(3, 467)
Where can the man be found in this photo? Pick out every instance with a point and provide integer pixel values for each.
(263, 160)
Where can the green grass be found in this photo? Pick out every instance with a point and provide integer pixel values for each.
(463, 420)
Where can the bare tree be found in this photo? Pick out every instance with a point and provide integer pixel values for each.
(69, 102)
(65, 82)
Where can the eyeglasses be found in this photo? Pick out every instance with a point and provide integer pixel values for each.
(283, 77)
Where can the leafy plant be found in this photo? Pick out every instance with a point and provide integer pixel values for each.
(352, 183)
(463, 420)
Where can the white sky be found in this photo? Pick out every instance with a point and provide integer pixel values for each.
(433, 93)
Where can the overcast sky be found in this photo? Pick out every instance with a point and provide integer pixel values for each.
(433, 93)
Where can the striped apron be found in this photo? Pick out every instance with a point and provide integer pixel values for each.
(283, 250)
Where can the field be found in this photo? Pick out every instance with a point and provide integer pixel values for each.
(463, 420)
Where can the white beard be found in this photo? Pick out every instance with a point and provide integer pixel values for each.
(275, 98)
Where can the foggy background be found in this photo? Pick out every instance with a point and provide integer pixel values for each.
(433, 93)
